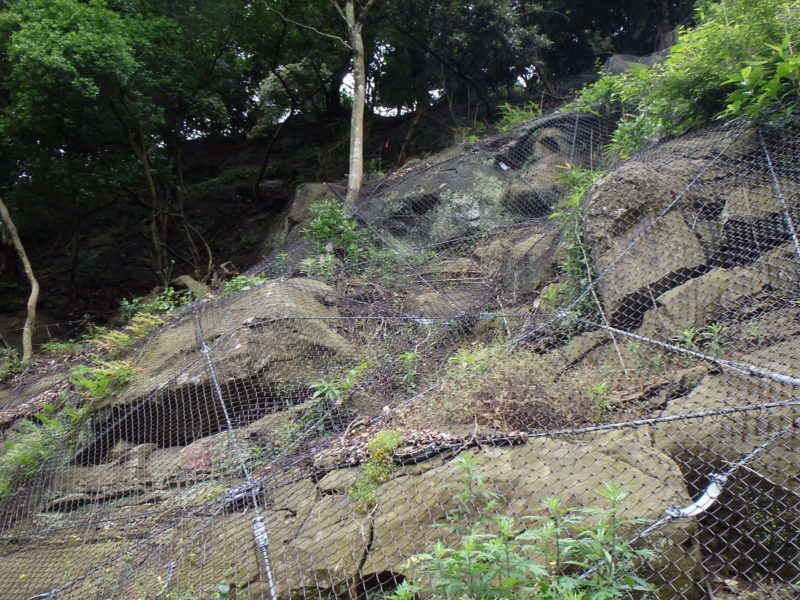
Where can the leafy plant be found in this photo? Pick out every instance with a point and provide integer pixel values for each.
(377, 469)
(170, 300)
(101, 380)
(512, 116)
(323, 264)
(766, 83)
(408, 369)
(709, 339)
(580, 551)
(66, 347)
(364, 494)
(242, 283)
(332, 390)
(575, 266)
(710, 71)
(647, 363)
(381, 448)
(128, 308)
(10, 363)
(40, 442)
(334, 225)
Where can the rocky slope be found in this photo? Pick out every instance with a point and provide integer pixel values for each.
(461, 338)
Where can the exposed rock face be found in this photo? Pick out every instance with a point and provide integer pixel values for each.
(449, 201)
(672, 215)
(321, 540)
(287, 225)
(254, 345)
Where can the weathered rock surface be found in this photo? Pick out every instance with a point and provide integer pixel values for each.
(287, 225)
(649, 235)
(251, 338)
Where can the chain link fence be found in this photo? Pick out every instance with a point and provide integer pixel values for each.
(317, 435)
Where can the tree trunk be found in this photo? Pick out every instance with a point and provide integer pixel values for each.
(356, 170)
(30, 321)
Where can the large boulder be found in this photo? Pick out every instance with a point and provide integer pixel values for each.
(450, 200)
(264, 348)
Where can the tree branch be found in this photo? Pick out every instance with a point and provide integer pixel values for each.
(339, 10)
(309, 27)
(365, 10)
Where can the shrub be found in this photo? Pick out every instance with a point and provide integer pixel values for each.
(10, 363)
(102, 380)
(699, 77)
(67, 347)
(766, 83)
(513, 116)
(333, 224)
(569, 553)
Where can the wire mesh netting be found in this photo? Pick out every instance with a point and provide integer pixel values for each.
(317, 434)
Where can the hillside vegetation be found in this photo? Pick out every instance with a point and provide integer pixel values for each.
(559, 362)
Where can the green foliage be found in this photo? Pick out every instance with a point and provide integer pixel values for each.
(466, 359)
(575, 266)
(408, 369)
(645, 363)
(766, 83)
(323, 265)
(66, 347)
(495, 557)
(10, 363)
(170, 300)
(101, 380)
(128, 308)
(334, 225)
(381, 448)
(338, 389)
(512, 116)
(377, 469)
(41, 440)
(709, 339)
(364, 493)
(242, 283)
(700, 76)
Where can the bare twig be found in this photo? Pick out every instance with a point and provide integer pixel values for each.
(309, 27)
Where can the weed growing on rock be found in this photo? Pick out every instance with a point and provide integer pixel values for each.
(381, 448)
(377, 469)
(333, 225)
(42, 438)
(10, 363)
(169, 300)
(709, 339)
(242, 283)
(101, 380)
(513, 116)
(568, 553)
(513, 390)
(575, 266)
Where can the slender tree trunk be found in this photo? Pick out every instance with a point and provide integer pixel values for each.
(30, 321)
(356, 171)
(158, 216)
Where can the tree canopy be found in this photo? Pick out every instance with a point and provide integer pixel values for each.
(101, 98)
